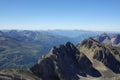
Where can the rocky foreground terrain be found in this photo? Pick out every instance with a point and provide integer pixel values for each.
(90, 60)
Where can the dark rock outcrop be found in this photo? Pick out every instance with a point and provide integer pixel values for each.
(64, 63)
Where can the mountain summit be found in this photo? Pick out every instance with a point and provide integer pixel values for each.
(105, 58)
(65, 63)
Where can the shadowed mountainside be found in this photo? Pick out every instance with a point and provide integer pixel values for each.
(65, 63)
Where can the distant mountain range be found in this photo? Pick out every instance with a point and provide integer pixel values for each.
(89, 60)
(110, 39)
(22, 49)
(70, 33)
(75, 36)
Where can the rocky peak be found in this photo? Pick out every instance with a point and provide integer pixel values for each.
(68, 49)
(65, 63)
(103, 37)
(102, 53)
(90, 42)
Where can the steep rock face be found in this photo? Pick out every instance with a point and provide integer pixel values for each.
(108, 55)
(65, 63)
(45, 69)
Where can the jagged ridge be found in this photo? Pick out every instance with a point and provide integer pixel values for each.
(65, 63)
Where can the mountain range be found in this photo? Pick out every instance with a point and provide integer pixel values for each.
(89, 60)
(109, 39)
(22, 49)
(17, 54)
(23, 56)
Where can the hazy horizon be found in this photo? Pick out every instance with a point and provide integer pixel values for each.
(61, 30)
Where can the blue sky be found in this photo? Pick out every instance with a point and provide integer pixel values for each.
(100, 15)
